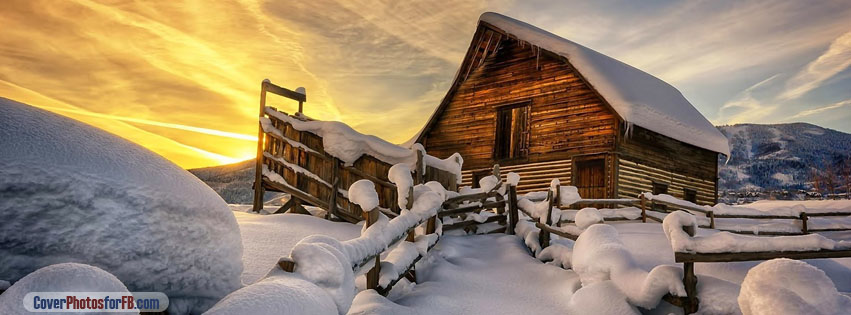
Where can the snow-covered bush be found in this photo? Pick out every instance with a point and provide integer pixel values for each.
(599, 255)
(785, 286)
(65, 277)
(70, 192)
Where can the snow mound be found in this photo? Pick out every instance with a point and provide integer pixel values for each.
(785, 286)
(70, 192)
(322, 260)
(64, 277)
(599, 255)
(588, 216)
(280, 294)
(600, 298)
(638, 97)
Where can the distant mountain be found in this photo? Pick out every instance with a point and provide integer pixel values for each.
(779, 156)
(764, 157)
(234, 182)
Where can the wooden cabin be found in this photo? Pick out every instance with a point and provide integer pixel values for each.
(545, 107)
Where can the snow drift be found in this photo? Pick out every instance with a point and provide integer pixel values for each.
(70, 192)
(65, 277)
(785, 286)
(278, 294)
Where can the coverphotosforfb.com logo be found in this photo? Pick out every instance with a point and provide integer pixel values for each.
(95, 301)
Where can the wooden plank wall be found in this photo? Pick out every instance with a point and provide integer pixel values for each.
(322, 165)
(533, 176)
(566, 118)
(646, 156)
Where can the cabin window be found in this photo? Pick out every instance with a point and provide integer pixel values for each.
(512, 131)
(658, 189)
(690, 195)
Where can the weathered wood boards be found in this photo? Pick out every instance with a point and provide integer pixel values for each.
(316, 177)
(558, 126)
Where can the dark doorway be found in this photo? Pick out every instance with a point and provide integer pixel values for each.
(591, 178)
(512, 130)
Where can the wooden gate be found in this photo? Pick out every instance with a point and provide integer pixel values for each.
(294, 161)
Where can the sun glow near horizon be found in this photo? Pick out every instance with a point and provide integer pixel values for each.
(182, 78)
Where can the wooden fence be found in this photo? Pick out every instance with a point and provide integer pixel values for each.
(372, 276)
(313, 176)
(465, 205)
(455, 206)
(691, 304)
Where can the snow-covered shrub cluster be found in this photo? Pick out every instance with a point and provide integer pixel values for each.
(72, 193)
(63, 277)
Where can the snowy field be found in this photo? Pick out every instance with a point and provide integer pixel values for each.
(267, 238)
(496, 274)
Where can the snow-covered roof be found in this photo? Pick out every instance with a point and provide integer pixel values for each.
(638, 97)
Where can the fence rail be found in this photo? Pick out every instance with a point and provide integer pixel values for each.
(294, 161)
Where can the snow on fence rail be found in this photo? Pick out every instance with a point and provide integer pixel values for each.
(312, 160)
(470, 211)
(680, 228)
(722, 211)
(397, 238)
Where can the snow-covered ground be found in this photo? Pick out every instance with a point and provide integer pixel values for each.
(495, 274)
(478, 274)
(267, 238)
(70, 192)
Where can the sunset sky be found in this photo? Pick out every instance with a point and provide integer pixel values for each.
(182, 77)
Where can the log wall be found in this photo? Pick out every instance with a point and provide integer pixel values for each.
(646, 156)
(566, 116)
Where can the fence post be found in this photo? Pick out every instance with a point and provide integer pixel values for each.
(544, 236)
(371, 218)
(513, 216)
(691, 303)
(420, 168)
(643, 208)
(258, 164)
(411, 274)
(556, 203)
(431, 225)
(410, 197)
(804, 227)
(287, 264)
(711, 219)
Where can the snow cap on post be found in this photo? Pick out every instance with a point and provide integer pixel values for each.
(400, 174)
(673, 227)
(363, 193)
(513, 178)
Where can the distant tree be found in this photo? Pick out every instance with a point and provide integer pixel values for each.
(846, 176)
(815, 179)
(829, 177)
